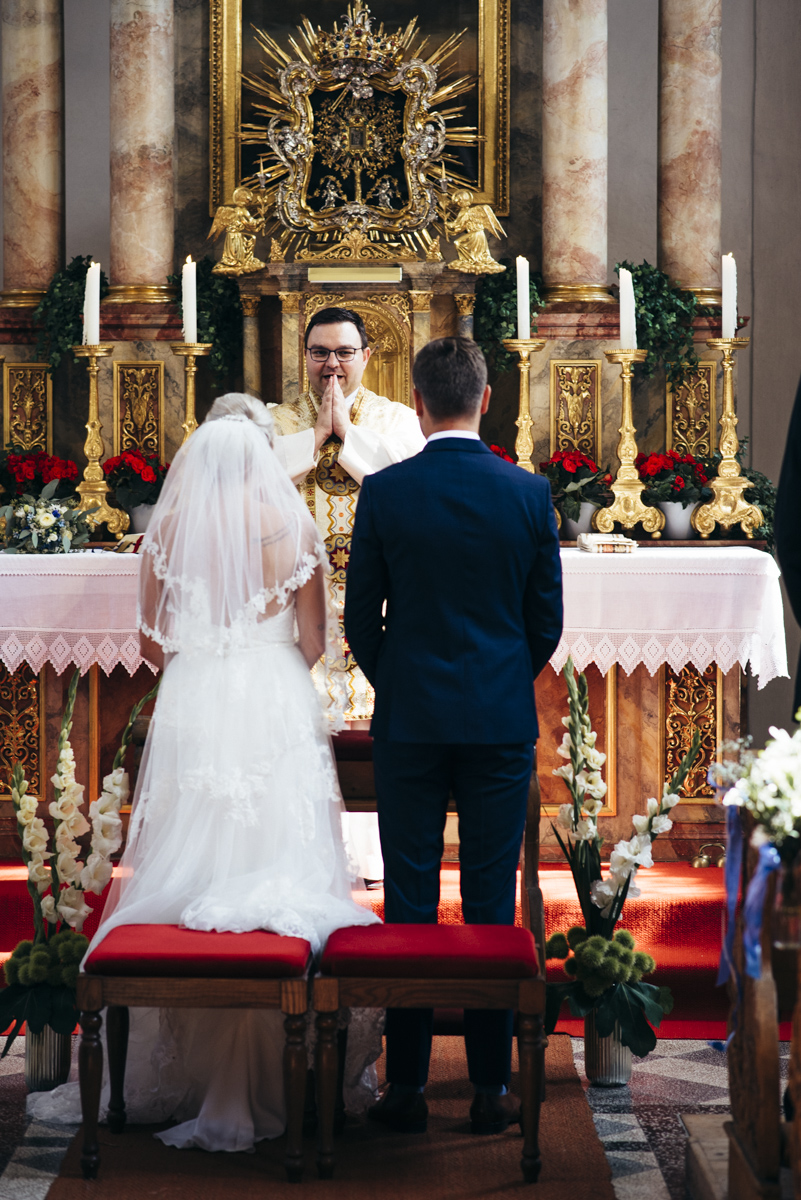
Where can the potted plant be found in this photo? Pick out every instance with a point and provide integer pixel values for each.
(605, 969)
(41, 973)
(578, 487)
(136, 478)
(30, 470)
(676, 483)
(43, 524)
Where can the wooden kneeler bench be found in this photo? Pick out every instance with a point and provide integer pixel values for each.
(431, 966)
(165, 966)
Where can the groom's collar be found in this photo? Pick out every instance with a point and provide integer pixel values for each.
(467, 434)
(470, 445)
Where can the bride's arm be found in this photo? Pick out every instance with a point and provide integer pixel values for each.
(311, 616)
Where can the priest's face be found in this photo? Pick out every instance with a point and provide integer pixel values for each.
(344, 337)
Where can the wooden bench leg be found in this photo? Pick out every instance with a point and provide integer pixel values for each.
(295, 1068)
(90, 1075)
(532, 1060)
(327, 1074)
(117, 1021)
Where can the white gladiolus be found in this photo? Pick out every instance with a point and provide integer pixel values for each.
(68, 868)
(116, 784)
(640, 822)
(565, 772)
(26, 812)
(34, 836)
(593, 758)
(39, 872)
(72, 908)
(65, 841)
(586, 830)
(106, 833)
(592, 805)
(49, 909)
(661, 824)
(651, 806)
(96, 874)
(565, 816)
(595, 786)
(77, 824)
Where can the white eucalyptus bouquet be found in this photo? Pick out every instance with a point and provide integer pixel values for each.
(44, 525)
(42, 973)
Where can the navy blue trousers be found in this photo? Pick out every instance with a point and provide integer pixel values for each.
(489, 784)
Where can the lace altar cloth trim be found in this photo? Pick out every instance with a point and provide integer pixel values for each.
(69, 609)
(647, 608)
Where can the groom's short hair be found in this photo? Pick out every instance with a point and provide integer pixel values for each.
(450, 374)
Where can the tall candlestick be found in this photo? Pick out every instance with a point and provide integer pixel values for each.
(189, 300)
(91, 306)
(628, 316)
(523, 301)
(729, 305)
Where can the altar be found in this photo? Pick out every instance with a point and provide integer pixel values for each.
(655, 671)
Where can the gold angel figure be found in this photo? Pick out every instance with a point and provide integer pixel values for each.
(470, 224)
(241, 228)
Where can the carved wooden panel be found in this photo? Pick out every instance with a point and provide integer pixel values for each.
(690, 414)
(139, 407)
(28, 406)
(691, 701)
(21, 727)
(575, 406)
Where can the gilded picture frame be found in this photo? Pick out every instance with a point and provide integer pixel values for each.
(488, 42)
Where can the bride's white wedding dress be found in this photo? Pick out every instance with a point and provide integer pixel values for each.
(236, 825)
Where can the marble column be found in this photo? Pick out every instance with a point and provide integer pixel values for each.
(142, 135)
(690, 116)
(421, 320)
(33, 145)
(251, 346)
(465, 304)
(290, 344)
(574, 150)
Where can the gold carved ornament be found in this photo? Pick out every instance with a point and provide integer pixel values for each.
(138, 399)
(28, 406)
(21, 726)
(691, 412)
(691, 700)
(355, 143)
(575, 404)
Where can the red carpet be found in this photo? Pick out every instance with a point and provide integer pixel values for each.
(677, 919)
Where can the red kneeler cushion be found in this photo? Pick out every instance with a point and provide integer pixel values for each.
(431, 952)
(170, 952)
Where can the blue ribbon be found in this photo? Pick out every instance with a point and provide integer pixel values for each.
(769, 862)
(734, 861)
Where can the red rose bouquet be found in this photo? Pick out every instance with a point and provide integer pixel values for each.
(673, 477)
(574, 478)
(136, 477)
(29, 471)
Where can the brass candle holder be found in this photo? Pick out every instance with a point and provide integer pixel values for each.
(190, 351)
(93, 489)
(627, 508)
(524, 442)
(727, 507)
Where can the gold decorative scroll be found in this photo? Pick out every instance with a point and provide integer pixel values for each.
(575, 406)
(139, 407)
(22, 727)
(28, 406)
(690, 701)
(386, 318)
(690, 416)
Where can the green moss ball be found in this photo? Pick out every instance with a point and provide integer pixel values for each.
(557, 946)
(625, 938)
(576, 934)
(644, 963)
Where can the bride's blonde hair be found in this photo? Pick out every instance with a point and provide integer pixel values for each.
(239, 404)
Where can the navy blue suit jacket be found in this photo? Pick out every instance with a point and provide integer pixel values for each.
(463, 549)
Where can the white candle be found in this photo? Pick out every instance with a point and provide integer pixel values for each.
(729, 303)
(628, 318)
(189, 299)
(91, 306)
(523, 304)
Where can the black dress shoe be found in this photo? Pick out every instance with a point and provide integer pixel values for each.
(493, 1114)
(404, 1111)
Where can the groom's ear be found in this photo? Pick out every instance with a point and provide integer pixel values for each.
(485, 399)
(419, 406)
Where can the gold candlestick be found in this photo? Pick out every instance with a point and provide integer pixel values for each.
(727, 507)
(190, 351)
(93, 490)
(628, 508)
(524, 442)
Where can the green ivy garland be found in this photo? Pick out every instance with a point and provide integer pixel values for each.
(495, 314)
(219, 317)
(61, 310)
(664, 321)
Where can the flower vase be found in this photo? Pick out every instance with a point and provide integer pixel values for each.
(786, 923)
(48, 1056)
(607, 1062)
(678, 520)
(582, 525)
(140, 517)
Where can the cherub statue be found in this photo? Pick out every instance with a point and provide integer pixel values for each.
(385, 190)
(470, 224)
(240, 227)
(330, 192)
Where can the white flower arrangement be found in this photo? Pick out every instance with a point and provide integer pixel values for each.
(44, 525)
(768, 784)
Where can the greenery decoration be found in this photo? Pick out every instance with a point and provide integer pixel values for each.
(219, 317)
(664, 321)
(762, 493)
(60, 313)
(576, 478)
(495, 314)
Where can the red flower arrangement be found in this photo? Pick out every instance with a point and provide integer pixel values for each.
(136, 477)
(502, 452)
(28, 471)
(673, 477)
(575, 478)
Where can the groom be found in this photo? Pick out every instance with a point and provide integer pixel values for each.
(453, 607)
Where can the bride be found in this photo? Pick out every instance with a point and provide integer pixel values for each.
(236, 820)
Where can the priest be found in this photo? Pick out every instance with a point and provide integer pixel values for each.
(331, 437)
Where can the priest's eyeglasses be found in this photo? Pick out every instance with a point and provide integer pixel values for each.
(344, 353)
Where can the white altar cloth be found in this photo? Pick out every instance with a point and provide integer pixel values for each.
(654, 606)
(673, 605)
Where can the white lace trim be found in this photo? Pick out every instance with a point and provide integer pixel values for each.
(64, 648)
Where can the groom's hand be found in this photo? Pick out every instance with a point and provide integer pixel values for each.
(325, 424)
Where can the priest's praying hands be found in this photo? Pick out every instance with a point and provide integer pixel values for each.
(334, 415)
